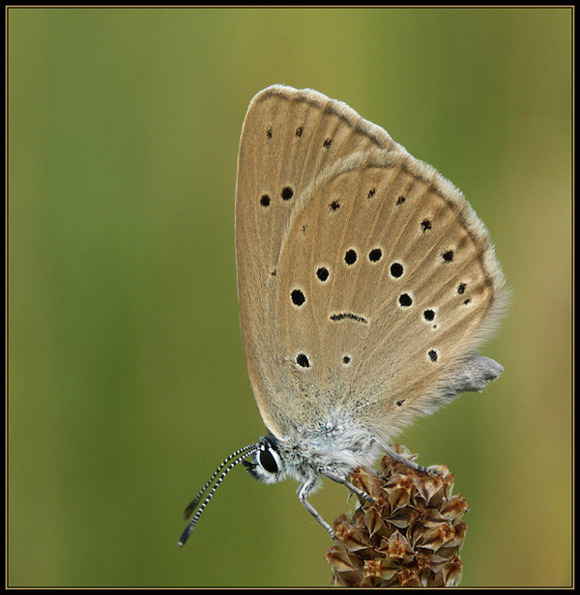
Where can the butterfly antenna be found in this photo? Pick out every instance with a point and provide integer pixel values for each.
(247, 451)
(191, 506)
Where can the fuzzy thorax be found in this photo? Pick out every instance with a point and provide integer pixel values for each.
(307, 454)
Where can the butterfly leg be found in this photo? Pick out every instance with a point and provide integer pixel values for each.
(401, 459)
(302, 492)
(345, 482)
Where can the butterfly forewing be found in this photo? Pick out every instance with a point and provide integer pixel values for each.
(288, 138)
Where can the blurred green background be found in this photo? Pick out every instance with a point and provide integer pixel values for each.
(127, 382)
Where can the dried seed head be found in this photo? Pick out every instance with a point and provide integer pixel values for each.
(410, 536)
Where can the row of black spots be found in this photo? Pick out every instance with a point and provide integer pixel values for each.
(286, 194)
(401, 199)
(350, 258)
(323, 274)
(304, 361)
(425, 225)
(374, 255)
(461, 291)
(298, 298)
(405, 300)
(298, 132)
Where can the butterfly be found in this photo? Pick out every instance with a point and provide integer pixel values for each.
(366, 282)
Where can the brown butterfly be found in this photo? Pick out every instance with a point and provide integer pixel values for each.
(366, 281)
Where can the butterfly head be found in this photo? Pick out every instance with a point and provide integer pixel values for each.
(267, 465)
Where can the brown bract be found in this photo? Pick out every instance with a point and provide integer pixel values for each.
(410, 536)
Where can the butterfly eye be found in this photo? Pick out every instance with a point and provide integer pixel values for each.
(268, 461)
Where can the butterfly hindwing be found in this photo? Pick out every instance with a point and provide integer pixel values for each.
(365, 278)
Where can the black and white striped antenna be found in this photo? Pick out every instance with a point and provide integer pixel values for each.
(241, 454)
